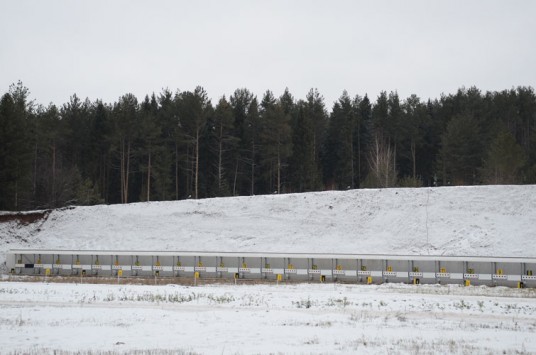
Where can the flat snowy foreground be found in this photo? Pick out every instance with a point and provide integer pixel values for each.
(246, 319)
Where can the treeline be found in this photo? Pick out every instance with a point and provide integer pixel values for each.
(180, 145)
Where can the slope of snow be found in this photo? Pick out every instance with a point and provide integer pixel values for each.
(39, 318)
(483, 220)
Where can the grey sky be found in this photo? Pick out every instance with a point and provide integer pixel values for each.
(104, 49)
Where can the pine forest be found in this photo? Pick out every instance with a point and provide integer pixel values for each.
(180, 145)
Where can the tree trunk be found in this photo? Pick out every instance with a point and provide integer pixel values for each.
(314, 146)
(176, 172)
(359, 155)
(235, 177)
(35, 172)
(352, 161)
(278, 172)
(149, 177)
(188, 172)
(54, 174)
(122, 169)
(17, 194)
(196, 163)
(220, 170)
(394, 159)
(413, 158)
(126, 170)
(253, 168)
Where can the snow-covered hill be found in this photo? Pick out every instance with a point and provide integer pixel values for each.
(484, 220)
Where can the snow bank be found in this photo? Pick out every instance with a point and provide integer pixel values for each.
(478, 221)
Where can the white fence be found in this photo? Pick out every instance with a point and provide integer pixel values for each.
(513, 272)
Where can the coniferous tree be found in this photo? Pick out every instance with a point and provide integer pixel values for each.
(316, 110)
(241, 102)
(194, 109)
(461, 151)
(411, 136)
(149, 134)
(100, 148)
(504, 160)
(125, 131)
(308, 136)
(167, 168)
(275, 137)
(380, 117)
(306, 170)
(86, 152)
(362, 135)
(251, 140)
(339, 161)
(222, 144)
(15, 148)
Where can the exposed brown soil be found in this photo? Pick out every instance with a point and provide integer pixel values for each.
(185, 281)
(24, 217)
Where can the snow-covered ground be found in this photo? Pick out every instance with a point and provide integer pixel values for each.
(308, 318)
(245, 319)
(478, 221)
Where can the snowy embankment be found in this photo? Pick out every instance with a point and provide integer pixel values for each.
(480, 221)
(307, 318)
(314, 319)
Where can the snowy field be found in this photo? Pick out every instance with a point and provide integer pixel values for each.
(54, 318)
(247, 319)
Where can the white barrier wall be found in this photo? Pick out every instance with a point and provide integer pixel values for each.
(513, 272)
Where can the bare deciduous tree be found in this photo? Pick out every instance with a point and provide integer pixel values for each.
(381, 162)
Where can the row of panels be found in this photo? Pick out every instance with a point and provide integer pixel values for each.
(291, 268)
(137, 270)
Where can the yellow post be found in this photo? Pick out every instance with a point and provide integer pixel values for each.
(467, 282)
(196, 274)
(369, 280)
(119, 273)
(443, 270)
(279, 277)
(499, 271)
(389, 268)
(47, 272)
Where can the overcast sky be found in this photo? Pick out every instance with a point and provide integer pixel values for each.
(102, 49)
